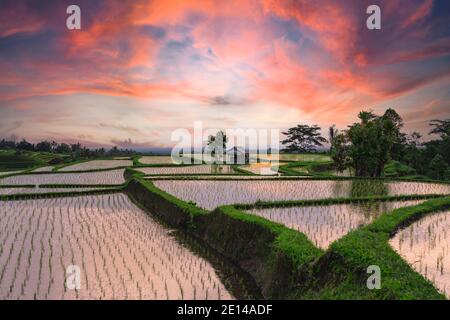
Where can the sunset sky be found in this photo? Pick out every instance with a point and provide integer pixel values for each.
(139, 69)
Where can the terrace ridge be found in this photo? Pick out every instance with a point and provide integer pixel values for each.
(284, 262)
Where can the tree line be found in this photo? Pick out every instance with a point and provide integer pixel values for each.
(75, 150)
(368, 146)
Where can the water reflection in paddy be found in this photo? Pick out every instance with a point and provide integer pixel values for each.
(325, 224)
(211, 194)
(425, 245)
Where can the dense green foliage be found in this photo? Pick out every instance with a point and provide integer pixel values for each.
(376, 146)
(303, 138)
(75, 151)
(340, 152)
(317, 168)
(371, 142)
(11, 160)
(430, 158)
(438, 168)
(398, 169)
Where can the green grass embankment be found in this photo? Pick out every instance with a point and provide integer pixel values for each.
(285, 264)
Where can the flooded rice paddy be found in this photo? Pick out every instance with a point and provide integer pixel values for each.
(195, 169)
(156, 160)
(263, 168)
(305, 170)
(97, 164)
(226, 177)
(326, 224)
(5, 173)
(294, 157)
(43, 169)
(37, 190)
(101, 177)
(211, 194)
(120, 251)
(425, 245)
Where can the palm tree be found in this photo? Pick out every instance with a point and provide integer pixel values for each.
(332, 133)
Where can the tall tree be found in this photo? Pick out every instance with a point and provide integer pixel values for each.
(7, 144)
(44, 146)
(75, 147)
(442, 146)
(438, 168)
(372, 141)
(440, 127)
(332, 133)
(25, 145)
(399, 138)
(413, 154)
(340, 152)
(218, 145)
(220, 140)
(63, 148)
(303, 138)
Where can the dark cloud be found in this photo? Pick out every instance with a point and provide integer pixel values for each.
(227, 100)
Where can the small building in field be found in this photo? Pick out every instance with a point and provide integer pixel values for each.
(237, 155)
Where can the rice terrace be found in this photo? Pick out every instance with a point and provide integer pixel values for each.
(146, 227)
(246, 151)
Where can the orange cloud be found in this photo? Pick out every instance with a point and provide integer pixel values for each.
(313, 58)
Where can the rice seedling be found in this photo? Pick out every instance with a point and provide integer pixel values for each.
(197, 169)
(5, 173)
(425, 245)
(325, 224)
(37, 190)
(156, 160)
(97, 164)
(122, 253)
(43, 169)
(294, 157)
(263, 168)
(211, 194)
(223, 177)
(101, 177)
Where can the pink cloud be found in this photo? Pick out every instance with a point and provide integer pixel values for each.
(316, 57)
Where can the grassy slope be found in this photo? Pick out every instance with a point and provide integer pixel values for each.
(10, 161)
(397, 169)
(341, 272)
(306, 168)
(307, 165)
(294, 244)
(188, 207)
